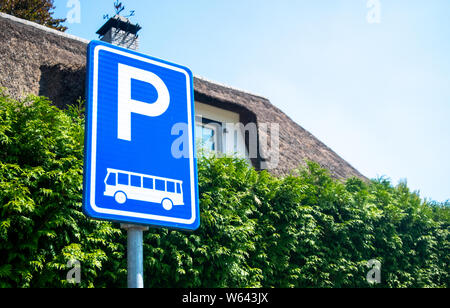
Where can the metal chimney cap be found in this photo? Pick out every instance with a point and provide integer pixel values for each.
(119, 22)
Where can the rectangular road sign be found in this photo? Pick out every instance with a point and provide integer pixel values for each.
(140, 164)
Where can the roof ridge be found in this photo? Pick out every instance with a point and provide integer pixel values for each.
(44, 28)
(230, 87)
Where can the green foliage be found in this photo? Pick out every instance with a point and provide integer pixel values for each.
(41, 175)
(257, 230)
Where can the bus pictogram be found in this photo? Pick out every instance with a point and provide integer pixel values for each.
(125, 185)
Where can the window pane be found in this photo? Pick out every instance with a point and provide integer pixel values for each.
(148, 183)
(198, 133)
(170, 187)
(160, 185)
(111, 179)
(136, 181)
(123, 179)
(179, 191)
(205, 136)
(208, 135)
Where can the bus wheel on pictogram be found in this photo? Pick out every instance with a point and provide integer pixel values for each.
(120, 197)
(167, 204)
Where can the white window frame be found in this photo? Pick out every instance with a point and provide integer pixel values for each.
(227, 142)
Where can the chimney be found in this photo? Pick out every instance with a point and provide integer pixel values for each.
(118, 30)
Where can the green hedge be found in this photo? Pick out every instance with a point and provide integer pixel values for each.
(303, 230)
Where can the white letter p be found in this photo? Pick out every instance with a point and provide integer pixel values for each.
(127, 105)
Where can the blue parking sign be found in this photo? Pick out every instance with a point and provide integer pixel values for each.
(140, 163)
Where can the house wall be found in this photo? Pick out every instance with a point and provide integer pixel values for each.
(37, 60)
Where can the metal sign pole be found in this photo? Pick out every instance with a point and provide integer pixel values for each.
(135, 255)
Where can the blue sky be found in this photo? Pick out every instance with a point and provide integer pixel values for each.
(378, 94)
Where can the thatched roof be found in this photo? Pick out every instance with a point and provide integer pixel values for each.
(38, 60)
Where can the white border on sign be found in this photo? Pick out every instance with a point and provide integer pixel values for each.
(125, 214)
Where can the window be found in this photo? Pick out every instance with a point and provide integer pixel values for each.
(220, 131)
(170, 187)
(111, 179)
(160, 185)
(208, 134)
(123, 179)
(179, 191)
(136, 181)
(148, 183)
